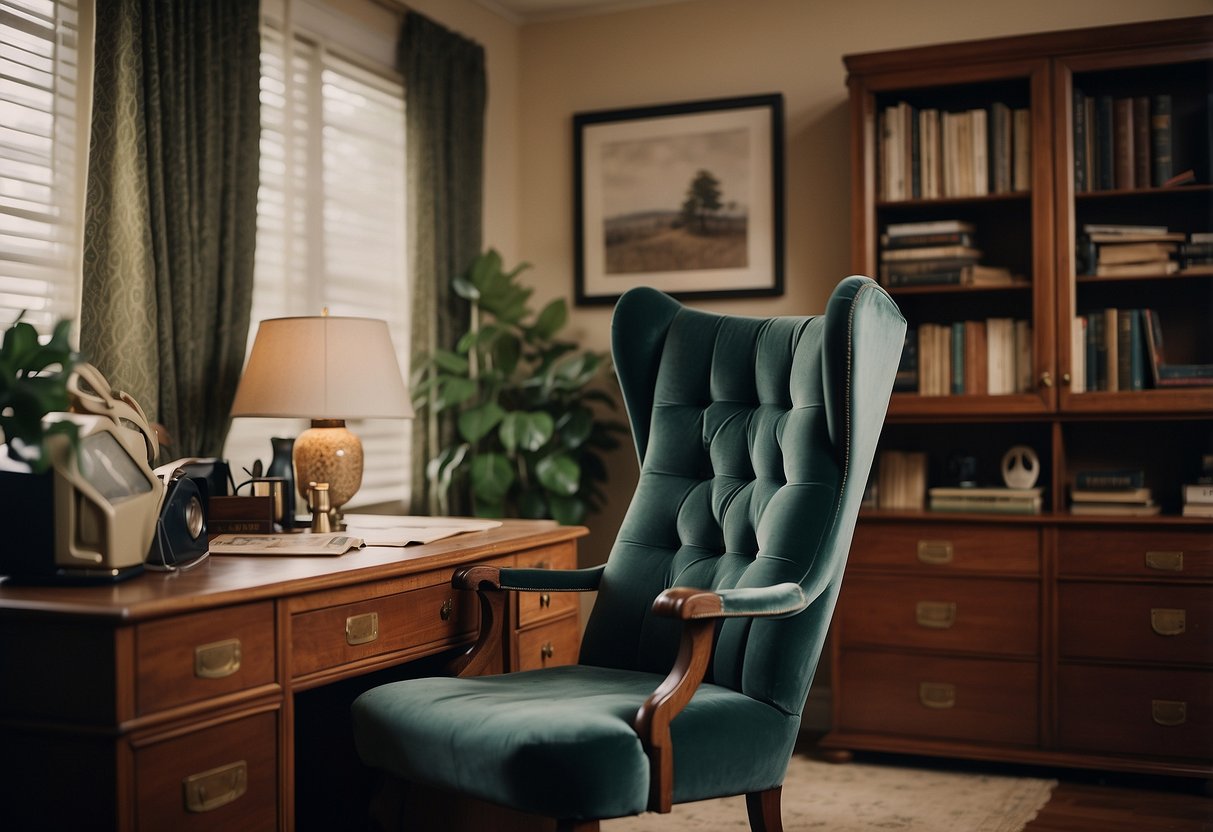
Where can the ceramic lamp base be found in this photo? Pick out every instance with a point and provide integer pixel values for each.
(329, 452)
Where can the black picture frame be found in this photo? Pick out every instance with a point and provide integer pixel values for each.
(644, 213)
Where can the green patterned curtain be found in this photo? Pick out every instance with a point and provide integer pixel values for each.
(171, 208)
(445, 92)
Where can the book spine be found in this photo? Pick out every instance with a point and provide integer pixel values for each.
(1022, 154)
(951, 277)
(1080, 141)
(958, 358)
(915, 154)
(1122, 143)
(1107, 480)
(1160, 139)
(916, 240)
(1105, 132)
(1141, 141)
(1111, 337)
(1137, 352)
(1096, 379)
(1124, 351)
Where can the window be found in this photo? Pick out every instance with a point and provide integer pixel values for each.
(43, 147)
(331, 212)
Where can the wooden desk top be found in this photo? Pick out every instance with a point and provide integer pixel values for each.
(221, 580)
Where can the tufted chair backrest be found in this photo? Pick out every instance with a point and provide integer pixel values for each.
(755, 438)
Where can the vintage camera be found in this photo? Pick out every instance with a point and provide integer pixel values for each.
(180, 540)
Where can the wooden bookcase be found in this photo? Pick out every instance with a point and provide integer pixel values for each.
(1046, 638)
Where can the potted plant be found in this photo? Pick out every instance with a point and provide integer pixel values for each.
(527, 405)
(33, 383)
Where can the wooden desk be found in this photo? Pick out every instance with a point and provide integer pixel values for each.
(169, 701)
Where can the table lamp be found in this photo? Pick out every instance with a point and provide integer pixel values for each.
(327, 369)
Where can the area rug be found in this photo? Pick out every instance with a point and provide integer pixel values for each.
(854, 797)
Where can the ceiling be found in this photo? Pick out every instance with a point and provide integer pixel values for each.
(529, 11)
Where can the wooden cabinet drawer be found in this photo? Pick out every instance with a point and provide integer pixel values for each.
(947, 547)
(550, 645)
(1142, 622)
(1152, 553)
(1167, 713)
(541, 606)
(222, 777)
(411, 623)
(193, 657)
(973, 615)
(930, 696)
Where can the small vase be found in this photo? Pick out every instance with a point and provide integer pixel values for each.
(281, 466)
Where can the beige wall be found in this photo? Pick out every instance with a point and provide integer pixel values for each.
(716, 48)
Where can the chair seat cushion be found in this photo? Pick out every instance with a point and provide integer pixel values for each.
(559, 742)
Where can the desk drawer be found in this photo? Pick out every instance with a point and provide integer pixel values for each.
(416, 622)
(1156, 713)
(541, 606)
(550, 645)
(929, 696)
(937, 548)
(193, 657)
(1153, 553)
(1144, 622)
(223, 777)
(972, 615)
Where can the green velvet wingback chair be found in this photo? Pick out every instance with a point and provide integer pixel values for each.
(755, 438)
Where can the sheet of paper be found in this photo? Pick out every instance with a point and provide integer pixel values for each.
(403, 530)
(284, 544)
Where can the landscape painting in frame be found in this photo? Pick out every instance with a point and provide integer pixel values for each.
(686, 198)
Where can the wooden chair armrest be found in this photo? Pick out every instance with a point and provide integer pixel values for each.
(485, 656)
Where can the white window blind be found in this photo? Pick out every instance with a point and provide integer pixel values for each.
(41, 138)
(330, 222)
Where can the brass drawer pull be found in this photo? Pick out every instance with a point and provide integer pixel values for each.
(1168, 712)
(935, 552)
(935, 615)
(362, 629)
(217, 787)
(547, 650)
(217, 659)
(1168, 622)
(1165, 561)
(545, 599)
(937, 695)
(448, 606)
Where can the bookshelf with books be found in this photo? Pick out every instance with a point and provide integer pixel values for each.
(1062, 300)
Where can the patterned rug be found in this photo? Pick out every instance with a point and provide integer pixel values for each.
(854, 797)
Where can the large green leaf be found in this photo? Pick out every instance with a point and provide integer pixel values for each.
(559, 474)
(476, 423)
(551, 319)
(455, 390)
(575, 426)
(492, 476)
(451, 362)
(528, 431)
(506, 351)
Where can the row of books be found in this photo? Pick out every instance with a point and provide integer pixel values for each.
(991, 357)
(1143, 251)
(929, 153)
(935, 253)
(1123, 350)
(1123, 142)
(1198, 496)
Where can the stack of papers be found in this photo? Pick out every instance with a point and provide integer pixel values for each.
(361, 530)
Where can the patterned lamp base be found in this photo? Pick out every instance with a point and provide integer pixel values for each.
(329, 452)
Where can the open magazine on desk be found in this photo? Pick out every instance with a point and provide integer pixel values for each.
(361, 530)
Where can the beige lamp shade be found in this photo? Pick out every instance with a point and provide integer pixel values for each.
(323, 367)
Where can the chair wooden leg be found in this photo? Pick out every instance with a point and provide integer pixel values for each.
(576, 826)
(764, 809)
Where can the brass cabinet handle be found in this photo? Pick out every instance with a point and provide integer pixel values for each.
(935, 615)
(362, 629)
(1065, 378)
(216, 787)
(1165, 561)
(217, 659)
(448, 606)
(545, 599)
(935, 551)
(1169, 712)
(1168, 622)
(937, 695)
(1046, 379)
(547, 650)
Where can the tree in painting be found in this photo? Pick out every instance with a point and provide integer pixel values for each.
(702, 201)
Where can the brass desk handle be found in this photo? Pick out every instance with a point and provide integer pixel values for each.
(1165, 561)
(448, 607)
(937, 695)
(935, 615)
(217, 659)
(362, 629)
(935, 552)
(1169, 712)
(545, 599)
(1168, 622)
(216, 787)
(547, 650)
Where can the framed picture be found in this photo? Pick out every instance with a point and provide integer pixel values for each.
(686, 198)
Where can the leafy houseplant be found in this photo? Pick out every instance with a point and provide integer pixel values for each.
(33, 383)
(530, 437)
